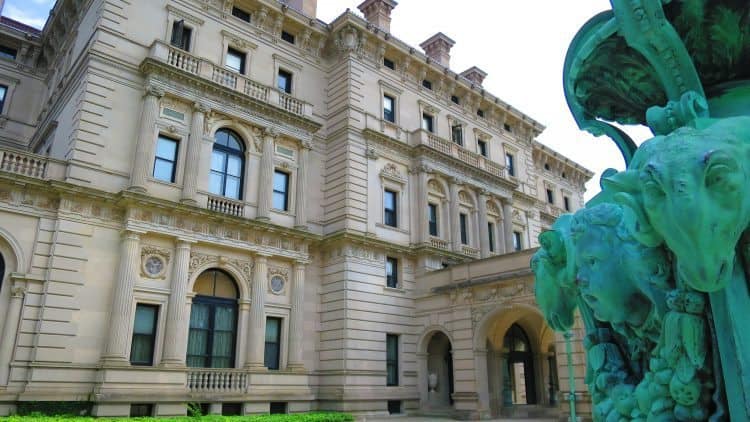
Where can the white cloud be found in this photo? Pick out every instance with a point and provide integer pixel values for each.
(30, 12)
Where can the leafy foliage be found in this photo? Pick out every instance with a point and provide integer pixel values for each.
(301, 417)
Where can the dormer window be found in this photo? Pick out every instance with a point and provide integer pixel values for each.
(455, 99)
(286, 36)
(427, 84)
(241, 14)
(389, 63)
(480, 112)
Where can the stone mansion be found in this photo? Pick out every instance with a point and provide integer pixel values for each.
(235, 204)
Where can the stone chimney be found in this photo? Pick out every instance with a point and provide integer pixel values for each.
(378, 12)
(474, 74)
(438, 48)
(307, 7)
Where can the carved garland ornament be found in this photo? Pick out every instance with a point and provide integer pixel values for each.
(244, 267)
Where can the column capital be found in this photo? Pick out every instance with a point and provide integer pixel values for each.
(131, 234)
(300, 265)
(306, 145)
(181, 242)
(154, 91)
(483, 192)
(201, 107)
(270, 133)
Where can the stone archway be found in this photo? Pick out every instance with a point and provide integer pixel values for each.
(439, 372)
(514, 376)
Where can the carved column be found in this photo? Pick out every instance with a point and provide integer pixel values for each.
(455, 223)
(422, 203)
(265, 182)
(192, 159)
(296, 319)
(257, 334)
(484, 237)
(300, 220)
(242, 337)
(121, 311)
(145, 139)
(508, 225)
(176, 333)
(8, 340)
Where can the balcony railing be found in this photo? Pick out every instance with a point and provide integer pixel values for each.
(206, 69)
(438, 243)
(225, 206)
(422, 137)
(468, 250)
(32, 165)
(216, 380)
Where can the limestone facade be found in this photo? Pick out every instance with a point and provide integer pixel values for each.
(151, 149)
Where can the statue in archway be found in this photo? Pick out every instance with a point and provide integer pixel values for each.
(658, 263)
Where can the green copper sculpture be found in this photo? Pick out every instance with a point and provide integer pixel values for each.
(657, 264)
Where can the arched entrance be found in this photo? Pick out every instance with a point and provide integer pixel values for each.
(440, 371)
(519, 382)
(213, 321)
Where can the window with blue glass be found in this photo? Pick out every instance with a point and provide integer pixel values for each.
(491, 235)
(391, 272)
(510, 165)
(517, 245)
(227, 164)
(166, 159)
(281, 190)
(433, 219)
(213, 321)
(389, 108)
(463, 223)
(391, 359)
(390, 208)
(284, 81)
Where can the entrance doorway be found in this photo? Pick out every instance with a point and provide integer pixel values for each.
(519, 386)
(440, 371)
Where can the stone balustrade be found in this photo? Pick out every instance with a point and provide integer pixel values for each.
(31, 165)
(470, 251)
(423, 137)
(226, 206)
(203, 68)
(438, 243)
(213, 380)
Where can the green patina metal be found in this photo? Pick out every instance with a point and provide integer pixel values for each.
(658, 263)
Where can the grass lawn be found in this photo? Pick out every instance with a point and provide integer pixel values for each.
(300, 417)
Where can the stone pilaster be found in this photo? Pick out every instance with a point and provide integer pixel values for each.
(178, 317)
(8, 340)
(121, 311)
(242, 329)
(455, 223)
(508, 225)
(296, 319)
(192, 159)
(145, 141)
(256, 337)
(424, 216)
(484, 240)
(265, 182)
(300, 220)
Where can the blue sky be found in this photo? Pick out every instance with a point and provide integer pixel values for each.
(30, 12)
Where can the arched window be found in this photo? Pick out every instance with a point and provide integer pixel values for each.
(227, 164)
(213, 321)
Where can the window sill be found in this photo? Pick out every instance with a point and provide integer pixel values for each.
(397, 229)
(399, 290)
(282, 212)
(161, 182)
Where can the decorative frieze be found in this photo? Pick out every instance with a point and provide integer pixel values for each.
(201, 260)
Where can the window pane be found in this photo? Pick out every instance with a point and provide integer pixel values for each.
(234, 165)
(280, 181)
(234, 61)
(144, 319)
(163, 170)
(224, 318)
(199, 315)
(215, 183)
(218, 159)
(233, 187)
(462, 223)
(273, 328)
(279, 201)
(166, 148)
(390, 200)
(3, 89)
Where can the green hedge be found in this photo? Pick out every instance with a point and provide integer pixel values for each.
(300, 417)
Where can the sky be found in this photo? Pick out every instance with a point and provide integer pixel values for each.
(521, 44)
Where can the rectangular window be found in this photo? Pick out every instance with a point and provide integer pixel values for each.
(433, 219)
(281, 190)
(390, 208)
(457, 134)
(427, 84)
(394, 407)
(139, 410)
(480, 112)
(241, 14)
(235, 60)
(286, 36)
(278, 408)
(517, 245)
(8, 53)
(273, 345)
(427, 122)
(284, 81)
(491, 235)
(3, 91)
(455, 99)
(566, 203)
(509, 164)
(165, 160)
(181, 35)
(482, 146)
(391, 359)
(389, 63)
(391, 272)
(507, 127)
(550, 196)
(463, 223)
(389, 108)
(144, 335)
